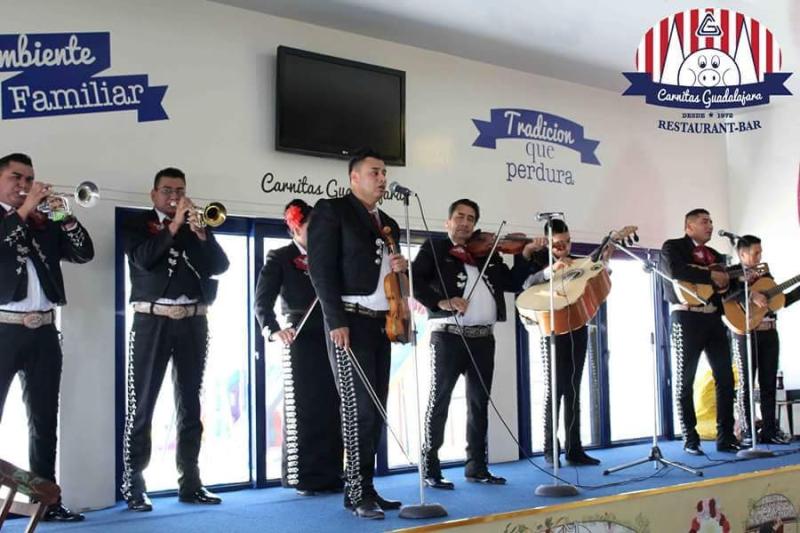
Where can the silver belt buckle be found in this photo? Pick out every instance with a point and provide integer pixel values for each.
(177, 312)
(33, 320)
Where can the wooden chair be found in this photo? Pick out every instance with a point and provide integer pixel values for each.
(43, 492)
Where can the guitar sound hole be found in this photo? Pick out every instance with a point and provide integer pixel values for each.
(573, 275)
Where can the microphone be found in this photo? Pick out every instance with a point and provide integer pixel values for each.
(549, 214)
(396, 188)
(731, 236)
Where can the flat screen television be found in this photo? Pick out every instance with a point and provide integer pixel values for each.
(332, 107)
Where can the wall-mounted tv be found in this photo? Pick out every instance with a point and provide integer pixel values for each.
(331, 107)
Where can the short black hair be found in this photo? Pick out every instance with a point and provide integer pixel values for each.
(559, 226)
(23, 159)
(361, 155)
(467, 202)
(746, 241)
(694, 213)
(169, 172)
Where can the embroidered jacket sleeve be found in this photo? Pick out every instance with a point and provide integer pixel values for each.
(75, 243)
(267, 289)
(325, 261)
(13, 241)
(145, 249)
(207, 256)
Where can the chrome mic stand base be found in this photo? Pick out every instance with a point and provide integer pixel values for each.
(556, 490)
(754, 453)
(656, 457)
(423, 510)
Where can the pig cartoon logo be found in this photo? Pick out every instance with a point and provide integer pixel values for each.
(725, 58)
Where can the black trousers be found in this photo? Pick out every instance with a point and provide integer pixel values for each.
(570, 359)
(362, 425)
(765, 346)
(449, 360)
(312, 433)
(34, 355)
(154, 341)
(693, 333)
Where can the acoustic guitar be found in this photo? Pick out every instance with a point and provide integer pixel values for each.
(734, 316)
(707, 290)
(579, 291)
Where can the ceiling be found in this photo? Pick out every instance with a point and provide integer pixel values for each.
(589, 42)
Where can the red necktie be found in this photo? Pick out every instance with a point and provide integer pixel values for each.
(702, 255)
(301, 262)
(461, 253)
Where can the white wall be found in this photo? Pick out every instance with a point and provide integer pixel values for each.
(219, 65)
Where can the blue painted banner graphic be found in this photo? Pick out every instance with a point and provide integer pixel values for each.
(534, 125)
(706, 97)
(57, 76)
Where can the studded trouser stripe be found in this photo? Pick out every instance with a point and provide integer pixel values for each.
(350, 437)
(742, 392)
(129, 419)
(427, 462)
(291, 437)
(678, 356)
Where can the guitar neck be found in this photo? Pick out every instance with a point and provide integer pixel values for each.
(783, 286)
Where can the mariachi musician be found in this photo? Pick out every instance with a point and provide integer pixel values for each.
(31, 287)
(699, 328)
(570, 353)
(765, 346)
(461, 315)
(312, 440)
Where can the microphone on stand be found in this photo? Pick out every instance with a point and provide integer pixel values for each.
(732, 237)
(396, 188)
(547, 215)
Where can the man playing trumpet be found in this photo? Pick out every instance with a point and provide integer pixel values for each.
(172, 256)
(31, 287)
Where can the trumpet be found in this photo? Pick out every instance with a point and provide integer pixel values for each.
(56, 205)
(212, 215)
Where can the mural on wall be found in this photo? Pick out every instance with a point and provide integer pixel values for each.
(710, 61)
(709, 518)
(57, 75)
(772, 513)
(544, 134)
(606, 523)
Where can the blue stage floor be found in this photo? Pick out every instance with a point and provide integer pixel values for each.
(279, 510)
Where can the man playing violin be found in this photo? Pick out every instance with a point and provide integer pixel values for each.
(348, 261)
(31, 287)
(765, 351)
(570, 354)
(698, 328)
(172, 258)
(462, 310)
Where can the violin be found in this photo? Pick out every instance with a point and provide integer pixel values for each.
(480, 243)
(396, 287)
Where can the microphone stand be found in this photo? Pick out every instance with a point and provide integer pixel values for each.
(556, 489)
(656, 456)
(753, 452)
(421, 510)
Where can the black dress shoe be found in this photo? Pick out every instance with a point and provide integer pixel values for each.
(776, 438)
(369, 509)
(581, 459)
(140, 503)
(439, 483)
(486, 478)
(728, 447)
(306, 492)
(201, 496)
(388, 505)
(692, 448)
(59, 513)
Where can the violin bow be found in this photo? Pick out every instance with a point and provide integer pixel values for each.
(488, 257)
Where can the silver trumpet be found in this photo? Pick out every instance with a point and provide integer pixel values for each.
(56, 205)
(212, 215)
